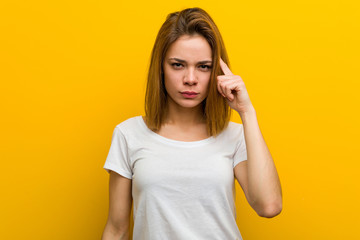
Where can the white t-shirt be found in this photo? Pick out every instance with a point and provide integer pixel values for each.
(181, 190)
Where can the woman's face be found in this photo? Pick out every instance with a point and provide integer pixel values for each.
(187, 68)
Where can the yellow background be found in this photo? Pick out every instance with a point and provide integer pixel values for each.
(72, 70)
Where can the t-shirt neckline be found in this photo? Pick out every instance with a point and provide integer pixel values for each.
(172, 141)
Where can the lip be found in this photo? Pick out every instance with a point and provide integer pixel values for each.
(189, 94)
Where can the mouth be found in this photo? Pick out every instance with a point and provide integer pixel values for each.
(189, 94)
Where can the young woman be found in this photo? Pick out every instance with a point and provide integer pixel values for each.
(177, 164)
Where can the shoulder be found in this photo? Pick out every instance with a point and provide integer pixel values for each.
(234, 128)
(132, 131)
(128, 124)
(232, 133)
(235, 124)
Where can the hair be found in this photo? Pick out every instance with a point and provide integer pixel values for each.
(190, 21)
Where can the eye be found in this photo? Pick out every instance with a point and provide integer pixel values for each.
(205, 67)
(176, 65)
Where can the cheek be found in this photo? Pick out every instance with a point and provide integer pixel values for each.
(171, 82)
(205, 78)
(172, 77)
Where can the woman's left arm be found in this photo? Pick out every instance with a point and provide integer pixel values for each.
(257, 176)
(263, 184)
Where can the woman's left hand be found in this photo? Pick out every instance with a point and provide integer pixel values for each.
(233, 88)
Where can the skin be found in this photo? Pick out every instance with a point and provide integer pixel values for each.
(184, 70)
(257, 175)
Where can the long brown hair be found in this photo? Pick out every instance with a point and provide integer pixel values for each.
(189, 21)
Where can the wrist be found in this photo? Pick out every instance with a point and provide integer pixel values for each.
(249, 110)
(249, 113)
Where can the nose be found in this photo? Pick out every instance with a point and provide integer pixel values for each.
(190, 77)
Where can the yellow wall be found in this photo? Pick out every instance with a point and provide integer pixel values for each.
(71, 70)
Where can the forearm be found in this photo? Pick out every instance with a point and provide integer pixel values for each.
(264, 187)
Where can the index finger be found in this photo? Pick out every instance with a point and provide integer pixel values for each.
(225, 68)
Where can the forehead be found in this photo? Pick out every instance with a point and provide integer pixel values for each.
(190, 48)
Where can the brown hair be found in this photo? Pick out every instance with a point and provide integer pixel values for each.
(189, 21)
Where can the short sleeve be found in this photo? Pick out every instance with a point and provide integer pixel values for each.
(117, 158)
(240, 152)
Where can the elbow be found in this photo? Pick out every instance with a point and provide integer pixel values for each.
(111, 234)
(270, 210)
(116, 231)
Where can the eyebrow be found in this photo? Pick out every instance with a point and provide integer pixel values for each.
(183, 61)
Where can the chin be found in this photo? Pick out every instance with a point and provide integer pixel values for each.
(189, 103)
(186, 103)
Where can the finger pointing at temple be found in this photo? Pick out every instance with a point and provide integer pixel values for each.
(225, 68)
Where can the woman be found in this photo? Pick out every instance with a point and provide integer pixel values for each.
(179, 161)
